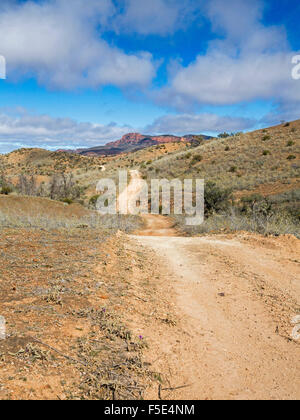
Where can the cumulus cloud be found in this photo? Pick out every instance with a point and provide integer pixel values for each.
(59, 43)
(62, 44)
(22, 129)
(160, 17)
(219, 79)
(247, 62)
(201, 123)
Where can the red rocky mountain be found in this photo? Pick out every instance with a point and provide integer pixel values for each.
(132, 142)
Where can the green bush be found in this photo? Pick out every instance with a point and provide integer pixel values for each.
(256, 204)
(224, 135)
(216, 199)
(93, 201)
(291, 157)
(196, 159)
(266, 137)
(266, 152)
(290, 143)
(6, 190)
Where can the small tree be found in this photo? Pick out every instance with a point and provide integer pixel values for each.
(63, 187)
(224, 135)
(27, 185)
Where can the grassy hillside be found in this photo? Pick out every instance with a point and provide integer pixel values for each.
(265, 161)
(252, 180)
(40, 168)
(261, 169)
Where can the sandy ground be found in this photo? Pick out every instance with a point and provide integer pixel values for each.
(235, 297)
(208, 317)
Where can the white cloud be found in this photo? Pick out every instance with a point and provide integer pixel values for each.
(248, 62)
(199, 123)
(160, 17)
(234, 18)
(219, 79)
(61, 43)
(58, 42)
(21, 129)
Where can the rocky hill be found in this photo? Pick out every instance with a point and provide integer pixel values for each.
(264, 161)
(133, 142)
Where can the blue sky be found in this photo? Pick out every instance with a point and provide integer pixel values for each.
(81, 73)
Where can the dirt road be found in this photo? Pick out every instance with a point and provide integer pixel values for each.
(235, 297)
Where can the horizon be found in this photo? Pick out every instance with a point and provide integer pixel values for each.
(146, 135)
(84, 76)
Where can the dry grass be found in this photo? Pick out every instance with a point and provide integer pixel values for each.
(86, 170)
(41, 213)
(43, 165)
(67, 317)
(232, 221)
(244, 153)
(239, 164)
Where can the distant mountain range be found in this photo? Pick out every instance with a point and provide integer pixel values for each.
(134, 141)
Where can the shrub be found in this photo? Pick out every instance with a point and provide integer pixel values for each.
(232, 221)
(216, 199)
(93, 201)
(5, 187)
(227, 148)
(291, 157)
(27, 185)
(6, 190)
(196, 158)
(224, 135)
(290, 143)
(63, 187)
(233, 169)
(256, 204)
(266, 137)
(266, 152)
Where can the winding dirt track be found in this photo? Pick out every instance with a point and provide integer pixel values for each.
(235, 296)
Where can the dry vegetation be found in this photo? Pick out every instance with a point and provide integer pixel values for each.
(72, 292)
(262, 171)
(239, 162)
(256, 167)
(41, 213)
(34, 171)
(65, 281)
(70, 302)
